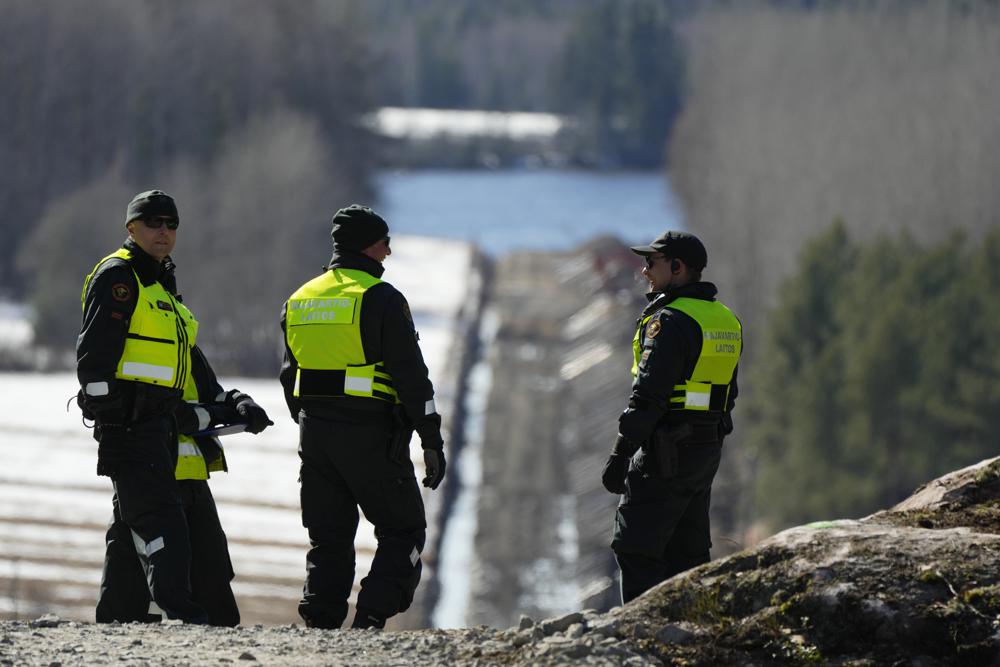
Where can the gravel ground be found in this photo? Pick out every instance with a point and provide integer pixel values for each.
(585, 638)
(882, 590)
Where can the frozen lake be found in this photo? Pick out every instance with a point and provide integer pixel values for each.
(517, 209)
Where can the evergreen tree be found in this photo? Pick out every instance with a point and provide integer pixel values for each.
(880, 371)
(622, 74)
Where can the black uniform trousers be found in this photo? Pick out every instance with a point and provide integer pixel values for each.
(125, 596)
(662, 525)
(147, 501)
(346, 463)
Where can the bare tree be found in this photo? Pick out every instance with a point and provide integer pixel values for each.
(886, 115)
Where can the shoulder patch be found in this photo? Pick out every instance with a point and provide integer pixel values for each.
(653, 329)
(121, 292)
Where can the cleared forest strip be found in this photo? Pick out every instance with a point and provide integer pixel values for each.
(560, 378)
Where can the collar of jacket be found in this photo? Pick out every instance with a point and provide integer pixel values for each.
(351, 259)
(147, 268)
(700, 290)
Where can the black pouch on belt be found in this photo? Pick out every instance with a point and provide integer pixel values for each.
(665, 444)
(399, 447)
(152, 401)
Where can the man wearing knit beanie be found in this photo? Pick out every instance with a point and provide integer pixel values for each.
(356, 383)
(356, 228)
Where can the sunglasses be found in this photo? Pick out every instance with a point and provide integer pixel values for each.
(156, 223)
(386, 239)
(651, 259)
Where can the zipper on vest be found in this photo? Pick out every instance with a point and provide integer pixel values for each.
(149, 338)
(182, 345)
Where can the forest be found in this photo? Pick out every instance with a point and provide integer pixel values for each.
(839, 161)
(251, 114)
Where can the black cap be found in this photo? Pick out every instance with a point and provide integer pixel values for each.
(677, 245)
(357, 227)
(151, 204)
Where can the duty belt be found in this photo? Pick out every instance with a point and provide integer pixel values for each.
(334, 383)
(153, 401)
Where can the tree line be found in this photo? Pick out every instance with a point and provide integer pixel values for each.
(882, 372)
(615, 66)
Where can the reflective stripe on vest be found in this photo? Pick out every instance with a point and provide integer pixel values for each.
(722, 342)
(160, 334)
(323, 332)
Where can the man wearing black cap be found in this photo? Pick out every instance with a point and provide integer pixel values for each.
(138, 365)
(669, 444)
(356, 383)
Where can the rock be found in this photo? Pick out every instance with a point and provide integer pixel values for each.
(674, 634)
(521, 638)
(560, 623)
(525, 622)
(576, 650)
(247, 656)
(607, 627)
(46, 621)
(575, 630)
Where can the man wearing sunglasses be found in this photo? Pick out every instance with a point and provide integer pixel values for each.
(356, 383)
(141, 375)
(686, 350)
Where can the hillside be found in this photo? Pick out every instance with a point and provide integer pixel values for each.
(916, 584)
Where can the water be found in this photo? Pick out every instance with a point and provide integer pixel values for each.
(507, 210)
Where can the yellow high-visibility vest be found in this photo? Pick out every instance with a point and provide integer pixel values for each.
(323, 332)
(160, 334)
(722, 342)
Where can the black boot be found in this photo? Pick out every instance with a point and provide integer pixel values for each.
(365, 618)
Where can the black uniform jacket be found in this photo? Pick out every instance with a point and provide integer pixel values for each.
(108, 306)
(387, 336)
(668, 358)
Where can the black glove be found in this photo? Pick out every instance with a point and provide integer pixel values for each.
(434, 465)
(248, 411)
(613, 477)
(221, 413)
(112, 448)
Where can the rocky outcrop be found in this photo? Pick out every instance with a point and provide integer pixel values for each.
(914, 585)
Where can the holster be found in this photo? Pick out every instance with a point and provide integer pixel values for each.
(402, 431)
(149, 401)
(665, 448)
